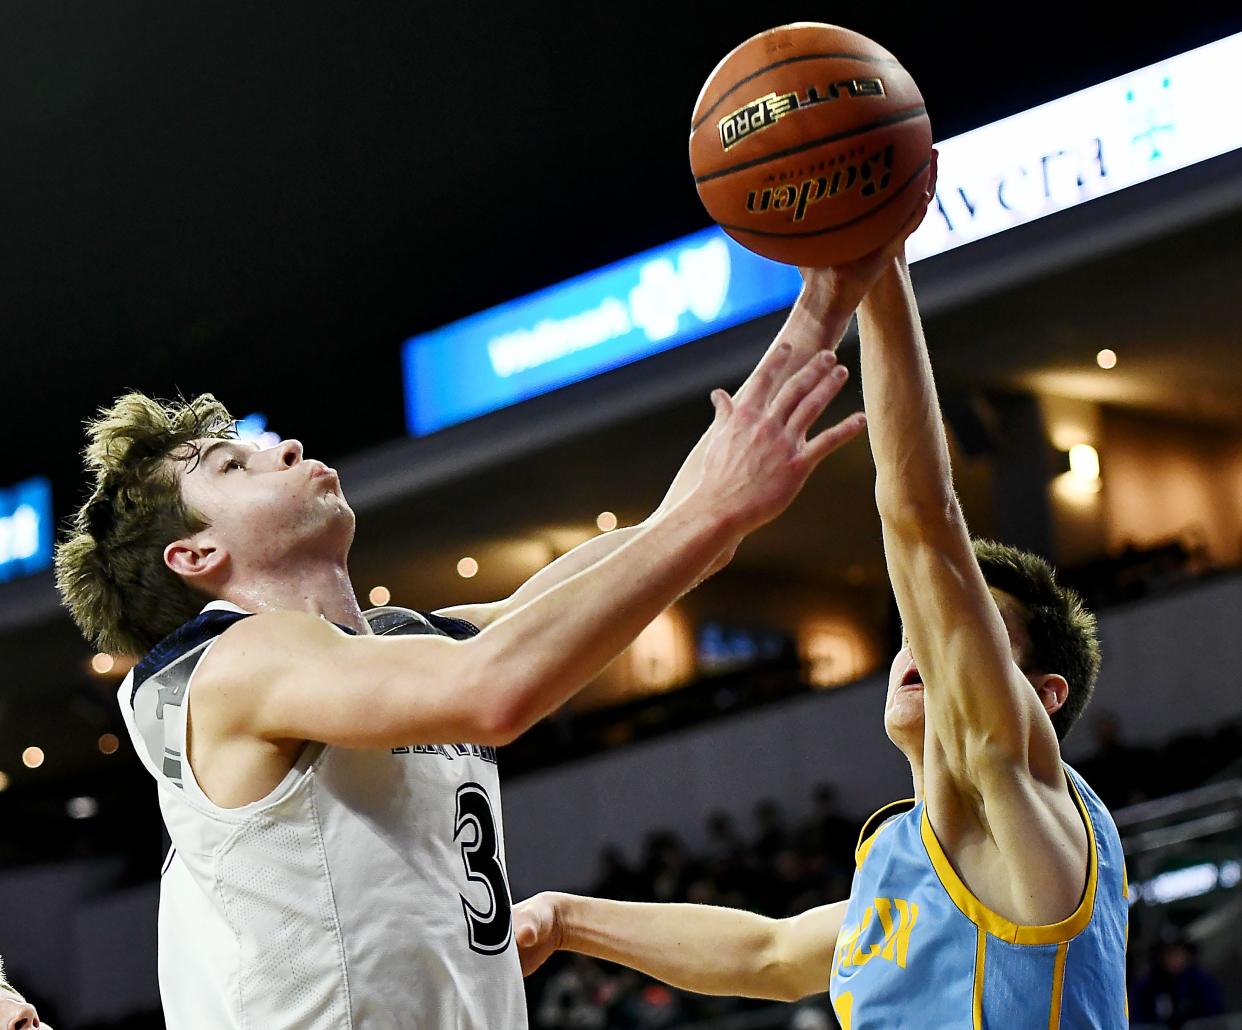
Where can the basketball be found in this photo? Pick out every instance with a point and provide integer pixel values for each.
(810, 144)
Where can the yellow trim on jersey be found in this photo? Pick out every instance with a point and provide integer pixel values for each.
(1058, 986)
(864, 845)
(981, 951)
(994, 923)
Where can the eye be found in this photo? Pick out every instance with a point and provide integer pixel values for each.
(230, 463)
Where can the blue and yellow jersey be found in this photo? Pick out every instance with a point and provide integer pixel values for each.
(917, 949)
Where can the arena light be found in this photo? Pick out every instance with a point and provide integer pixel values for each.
(4, 781)
(102, 663)
(108, 744)
(606, 521)
(1084, 462)
(1188, 882)
(467, 568)
(1128, 130)
(33, 757)
(25, 528)
(379, 596)
(82, 808)
(1106, 359)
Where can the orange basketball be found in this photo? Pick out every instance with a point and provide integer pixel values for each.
(810, 144)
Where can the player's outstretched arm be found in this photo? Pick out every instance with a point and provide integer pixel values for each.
(698, 948)
(816, 323)
(997, 769)
(287, 676)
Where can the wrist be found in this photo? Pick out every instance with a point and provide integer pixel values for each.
(711, 521)
(565, 913)
(829, 304)
(890, 281)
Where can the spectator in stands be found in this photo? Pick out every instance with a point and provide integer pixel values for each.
(1118, 772)
(1176, 989)
(773, 837)
(15, 1012)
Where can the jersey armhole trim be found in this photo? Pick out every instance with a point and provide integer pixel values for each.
(993, 922)
(192, 791)
(865, 839)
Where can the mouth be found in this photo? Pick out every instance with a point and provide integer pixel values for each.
(323, 470)
(910, 680)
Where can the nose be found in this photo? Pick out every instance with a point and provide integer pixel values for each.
(289, 452)
(23, 1019)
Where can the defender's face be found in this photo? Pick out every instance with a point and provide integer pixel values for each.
(261, 503)
(903, 705)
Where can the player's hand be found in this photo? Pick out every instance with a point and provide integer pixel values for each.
(538, 930)
(18, 1015)
(849, 283)
(758, 455)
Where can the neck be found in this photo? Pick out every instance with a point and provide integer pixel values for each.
(319, 589)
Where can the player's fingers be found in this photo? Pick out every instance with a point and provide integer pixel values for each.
(801, 383)
(830, 439)
(723, 404)
(814, 403)
(769, 374)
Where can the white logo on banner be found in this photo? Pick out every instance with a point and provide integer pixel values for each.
(1100, 140)
(19, 534)
(696, 283)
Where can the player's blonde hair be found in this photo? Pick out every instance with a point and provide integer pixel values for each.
(110, 568)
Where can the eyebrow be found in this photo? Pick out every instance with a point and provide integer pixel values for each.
(231, 444)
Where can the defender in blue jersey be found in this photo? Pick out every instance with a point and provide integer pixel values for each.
(996, 897)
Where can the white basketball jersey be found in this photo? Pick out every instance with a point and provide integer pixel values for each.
(368, 890)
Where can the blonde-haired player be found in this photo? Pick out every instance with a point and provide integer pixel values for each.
(328, 776)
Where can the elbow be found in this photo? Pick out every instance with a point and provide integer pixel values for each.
(926, 517)
(993, 754)
(781, 975)
(495, 709)
(498, 721)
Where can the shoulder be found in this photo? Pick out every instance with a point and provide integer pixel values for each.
(391, 620)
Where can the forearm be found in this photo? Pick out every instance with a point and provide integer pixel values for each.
(543, 652)
(694, 947)
(570, 564)
(817, 321)
(899, 394)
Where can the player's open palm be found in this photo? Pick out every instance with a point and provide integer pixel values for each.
(758, 455)
(537, 930)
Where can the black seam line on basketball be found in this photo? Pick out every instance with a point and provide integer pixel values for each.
(840, 225)
(741, 166)
(778, 64)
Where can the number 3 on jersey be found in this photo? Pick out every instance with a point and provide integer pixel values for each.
(489, 929)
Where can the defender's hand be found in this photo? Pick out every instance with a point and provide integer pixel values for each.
(847, 284)
(538, 930)
(758, 456)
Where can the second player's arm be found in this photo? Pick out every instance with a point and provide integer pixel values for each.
(997, 768)
(288, 676)
(699, 948)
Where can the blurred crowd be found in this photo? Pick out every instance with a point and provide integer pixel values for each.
(774, 866)
(779, 867)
